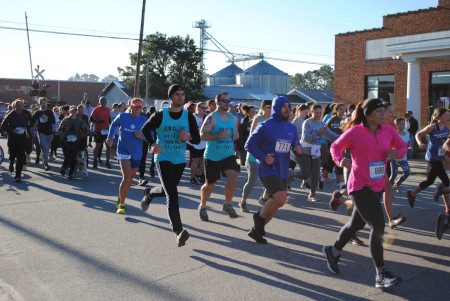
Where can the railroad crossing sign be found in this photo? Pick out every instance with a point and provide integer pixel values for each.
(38, 74)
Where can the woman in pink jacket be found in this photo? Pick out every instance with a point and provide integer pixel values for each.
(371, 143)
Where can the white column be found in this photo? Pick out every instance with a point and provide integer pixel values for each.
(413, 90)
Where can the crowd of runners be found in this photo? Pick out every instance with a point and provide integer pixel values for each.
(361, 145)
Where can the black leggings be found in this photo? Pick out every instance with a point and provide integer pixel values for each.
(170, 175)
(367, 210)
(436, 169)
(143, 159)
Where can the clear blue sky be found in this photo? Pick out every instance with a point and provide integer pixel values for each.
(288, 29)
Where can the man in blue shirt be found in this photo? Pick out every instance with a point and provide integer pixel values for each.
(271, 143)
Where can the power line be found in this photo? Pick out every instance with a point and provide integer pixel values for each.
(136, 39)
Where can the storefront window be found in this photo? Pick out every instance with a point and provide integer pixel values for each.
(380, 86)
(440, 88)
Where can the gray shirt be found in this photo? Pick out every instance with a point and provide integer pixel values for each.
(310, 134)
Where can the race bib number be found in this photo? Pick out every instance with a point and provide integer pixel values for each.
(105, 132)
(282, 146)
(376, 170)
(71, 138)
(20, 130)
(441, 152)
(123, 157)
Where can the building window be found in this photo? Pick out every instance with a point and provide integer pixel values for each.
(380, 86)
(440, 88)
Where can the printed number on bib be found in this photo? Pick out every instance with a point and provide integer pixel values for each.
(282, 146)
(71, 138)
(123, 157)
(105, 132)
(376, 170)
(441, 152)
(20, 130)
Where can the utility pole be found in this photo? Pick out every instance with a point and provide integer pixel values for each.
(138, 64)
(147, 81)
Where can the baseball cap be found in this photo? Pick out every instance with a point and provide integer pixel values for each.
(233, 104)
(72, 108)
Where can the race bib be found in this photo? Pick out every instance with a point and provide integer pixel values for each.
(282, 146)
(71, 138)
(441, 152)
(376, 170)
(105, 132)
(123, 157)
(20, 130)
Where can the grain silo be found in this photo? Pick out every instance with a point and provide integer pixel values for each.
(265, 76)
(226, 76)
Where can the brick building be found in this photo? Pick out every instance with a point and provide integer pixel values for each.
(70, 92)
(407, 61)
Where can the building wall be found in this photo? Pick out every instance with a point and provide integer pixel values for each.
(351, 67)
(70, 91)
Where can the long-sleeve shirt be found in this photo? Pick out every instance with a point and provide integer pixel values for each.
(155, 121)
(369, 155)
(310, 134)
(16, 121)
(45, 121)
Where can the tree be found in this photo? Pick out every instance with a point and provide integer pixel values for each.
(84, 77)
(109, 78)
(171, 60)
(321, 79)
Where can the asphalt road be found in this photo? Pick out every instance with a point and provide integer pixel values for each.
(61, 239)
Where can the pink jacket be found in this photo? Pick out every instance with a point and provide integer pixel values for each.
(369, 154)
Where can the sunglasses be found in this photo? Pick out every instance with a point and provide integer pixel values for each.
(137, 107)
(203, 108)
(226, 100)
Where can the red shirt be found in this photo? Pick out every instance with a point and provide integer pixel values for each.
(101, 114)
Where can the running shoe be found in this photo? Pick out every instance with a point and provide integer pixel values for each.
(312, 199)
(47, 167)
(201, 179)
(411, 198)
(356, 241)
(386, 279)
(441, 226)
(332, 261)
(145, 202)
(257, 237)
(243, 206)
(262, 201)
(121, 209)
(52, 158)
(17, 179)
(289, 199)
(108, 165)
(334, 202)
(396, 221)
(142, 182)
(320, 184)
(118, 202)
(182, 237)
(203, 213)
(62, 171)
(306, 185)
(259, 223)
(229, 210)
(194, 181)
(438, 192)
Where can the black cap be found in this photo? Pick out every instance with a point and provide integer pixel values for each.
(174, 88)
(102, 99)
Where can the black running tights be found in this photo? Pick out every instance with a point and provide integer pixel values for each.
(367, 210)
(436, 169)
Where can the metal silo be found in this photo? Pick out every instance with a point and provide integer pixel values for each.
(265, 76)
(226, 76)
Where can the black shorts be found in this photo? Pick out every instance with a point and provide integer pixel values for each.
(195, 153)
(274, 184)
(99, 138)
(214, 168)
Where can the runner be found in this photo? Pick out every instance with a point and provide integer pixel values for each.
(174, 126)
(16, 126)
(270, 144)
(370, 142)
(71, 130)
(219, 131)
(45, 120)
(129, 147)
(197, 150)
(102, 119)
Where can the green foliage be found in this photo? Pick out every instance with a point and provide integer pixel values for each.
(321, 79)
(171, 60)
(84, 77)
